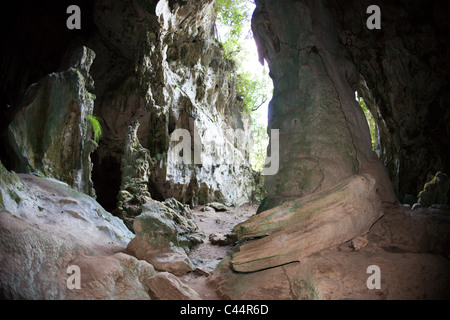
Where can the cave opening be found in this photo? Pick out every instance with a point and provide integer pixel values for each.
(373, 126)
(321, 207)
(254, 85)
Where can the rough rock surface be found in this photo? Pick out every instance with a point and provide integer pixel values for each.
(164, 238)
(411, 250)
(136, 168)
(302, 227)
(435, 191)
(46, 227)
(324, 139)
(324, 136)
(158, 62)
(172, 75)
(404, 69)
(165, 286)
(51, 134)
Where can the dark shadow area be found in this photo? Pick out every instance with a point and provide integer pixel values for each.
(35, 40)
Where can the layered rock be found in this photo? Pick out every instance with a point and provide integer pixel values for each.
(305, 226)
(51, 135)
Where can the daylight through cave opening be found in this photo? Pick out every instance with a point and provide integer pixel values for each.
(373, 127)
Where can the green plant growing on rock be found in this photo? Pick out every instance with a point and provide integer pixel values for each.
(370, 121)
(96, 126)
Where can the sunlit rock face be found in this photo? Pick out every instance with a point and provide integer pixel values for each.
(176, 78)
(157, 62)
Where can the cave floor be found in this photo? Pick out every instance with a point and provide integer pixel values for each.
(215, 225)
(340, 272)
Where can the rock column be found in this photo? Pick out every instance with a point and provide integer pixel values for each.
(324, 136)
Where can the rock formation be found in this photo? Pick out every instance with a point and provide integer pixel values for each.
(51, 135)
(324, 140)
(324, 137)
(136, 168)
(164, 237)
(165, 92)
(165, 231)
(435, 191)
(177, 78)
(315, 203)
(46, 227)
(403, 68)
(307, 225)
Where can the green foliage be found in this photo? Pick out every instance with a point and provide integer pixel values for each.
(370, 121)
(253, 90)
(259, 147)
(234, 15)
(96, 126)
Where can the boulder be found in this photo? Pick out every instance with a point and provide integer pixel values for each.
(435, 191)
(165, 286)
(164, 238)
(206, 208)
(358, 243)
(47, 228)
(220, 239)
(217, 206)
(182, 209)
(307, 225)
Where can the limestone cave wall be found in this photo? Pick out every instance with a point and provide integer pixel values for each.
(401, 71)
(332, 208)
(404, 81)
(156, 62)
